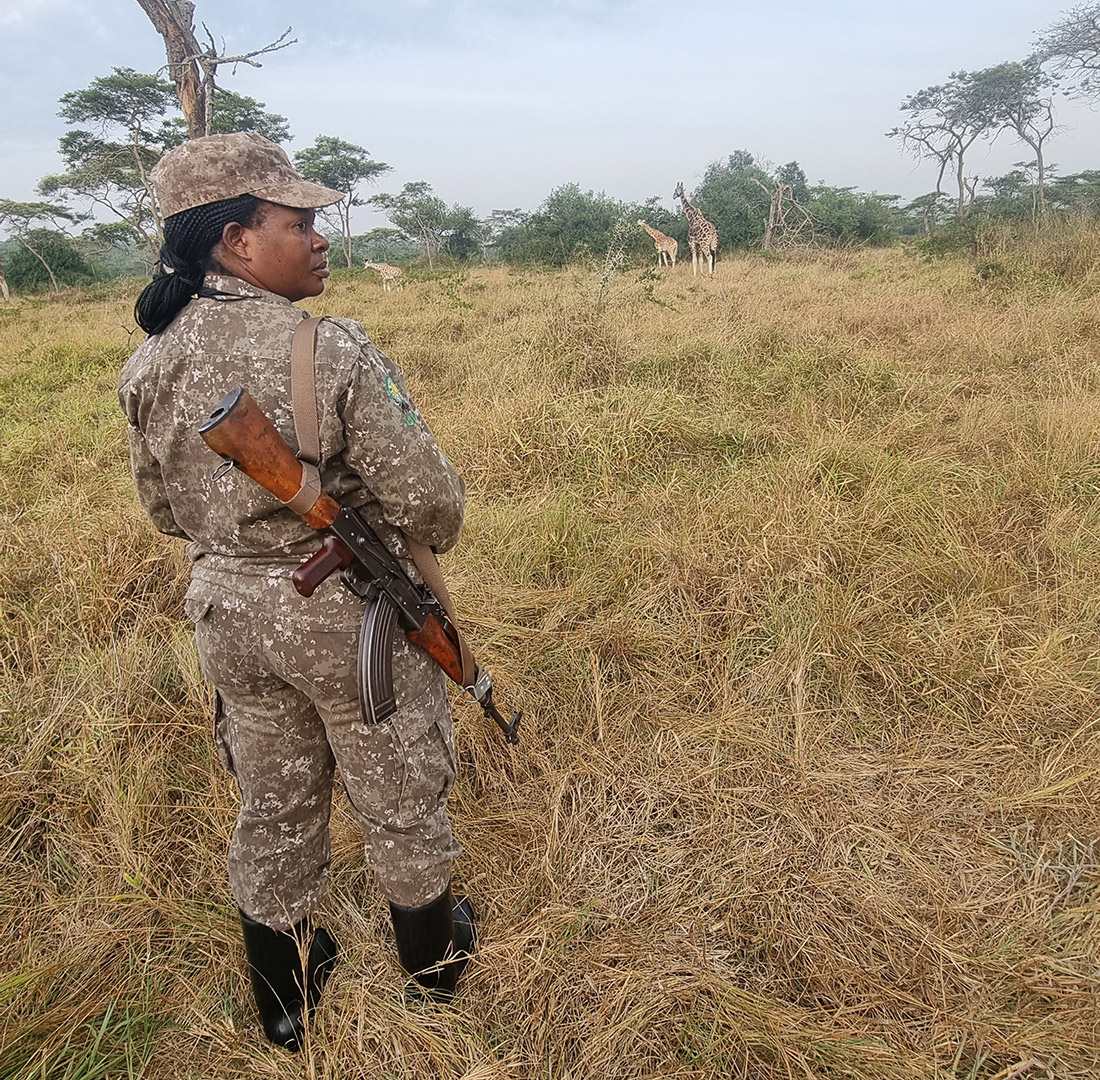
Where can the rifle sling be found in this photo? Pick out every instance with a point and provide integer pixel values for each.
(430, 571)
(303, 403)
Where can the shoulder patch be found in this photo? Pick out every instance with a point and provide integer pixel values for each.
(409, 413)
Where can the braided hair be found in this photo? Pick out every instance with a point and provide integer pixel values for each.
(189, 238)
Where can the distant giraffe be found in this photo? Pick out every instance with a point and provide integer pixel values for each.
(666, 245)
(702, 235)
(389, 273)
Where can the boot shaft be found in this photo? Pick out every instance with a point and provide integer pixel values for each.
(434, 942)
(281, 990)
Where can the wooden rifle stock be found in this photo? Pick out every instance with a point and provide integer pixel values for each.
(240, 432)
(433, 637)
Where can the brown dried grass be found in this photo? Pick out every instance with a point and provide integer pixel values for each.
(795, 575)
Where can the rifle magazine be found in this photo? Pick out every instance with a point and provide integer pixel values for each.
(376, 696)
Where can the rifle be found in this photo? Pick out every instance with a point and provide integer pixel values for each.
(239, 431)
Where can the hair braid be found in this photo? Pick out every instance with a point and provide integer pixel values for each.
(189, 238)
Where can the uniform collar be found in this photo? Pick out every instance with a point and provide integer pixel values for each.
(228, 285)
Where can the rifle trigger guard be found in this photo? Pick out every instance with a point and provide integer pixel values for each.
(222, 470)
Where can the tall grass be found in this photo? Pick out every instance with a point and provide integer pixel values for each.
(1062, 250)
(795, 574)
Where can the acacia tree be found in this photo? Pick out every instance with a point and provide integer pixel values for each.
(103, 239)
(1016, 98)
(24, 221)
(123, 123)
(237, 112)
(343, 166)
(1078, 192)
(376, 243)
(418, 212)
(942, 123)
(110, 159)
(193, 67)
(1071, 49)
(927, 205)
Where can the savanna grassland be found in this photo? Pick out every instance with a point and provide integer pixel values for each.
(796, 574)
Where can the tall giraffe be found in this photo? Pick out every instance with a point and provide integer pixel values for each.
(666, 245)
(702, 235)
(389, 273)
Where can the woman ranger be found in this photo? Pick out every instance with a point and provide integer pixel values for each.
(240, 248)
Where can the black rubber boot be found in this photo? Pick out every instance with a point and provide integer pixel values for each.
(275, 964)
(434, 943)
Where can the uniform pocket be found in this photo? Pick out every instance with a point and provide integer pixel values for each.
(428, 773)
(221, 735)
(198, 604)
(198, 601)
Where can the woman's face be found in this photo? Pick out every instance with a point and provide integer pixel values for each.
(280, 252)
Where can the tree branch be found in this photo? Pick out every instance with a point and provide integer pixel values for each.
(174, 21)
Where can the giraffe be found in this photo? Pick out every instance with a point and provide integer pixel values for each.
(666, 245)
(389, 273)
(702, 235)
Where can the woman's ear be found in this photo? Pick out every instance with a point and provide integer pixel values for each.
(236, 241)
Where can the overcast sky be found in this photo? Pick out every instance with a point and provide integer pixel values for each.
(496, 102)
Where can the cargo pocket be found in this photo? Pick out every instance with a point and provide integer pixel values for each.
(197, 606)
(428, 773)
(447, 760)
(221, 735)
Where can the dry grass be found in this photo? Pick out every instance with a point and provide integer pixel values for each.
(795, 573)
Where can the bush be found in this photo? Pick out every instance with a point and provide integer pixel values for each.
(844, 216)
(25, 271)
(570, 225)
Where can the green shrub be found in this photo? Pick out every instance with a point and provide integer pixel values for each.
(26, 270)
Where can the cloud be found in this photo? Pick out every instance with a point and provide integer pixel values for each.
(25, 13)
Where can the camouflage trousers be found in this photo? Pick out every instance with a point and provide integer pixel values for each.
(284, 668)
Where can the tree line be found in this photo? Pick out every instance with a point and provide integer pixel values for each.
(98, 217)
(1014, 99)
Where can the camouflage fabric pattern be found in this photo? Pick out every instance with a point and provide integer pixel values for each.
(285, 672)
(217, 167)
(376, 451)
(284, 666)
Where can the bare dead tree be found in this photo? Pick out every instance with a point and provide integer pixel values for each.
(193, 67)
(787, 220)
(174, 21)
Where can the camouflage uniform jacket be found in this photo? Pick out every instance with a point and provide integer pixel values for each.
(376, 451)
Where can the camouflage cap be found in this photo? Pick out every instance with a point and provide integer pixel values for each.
(217, 167)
